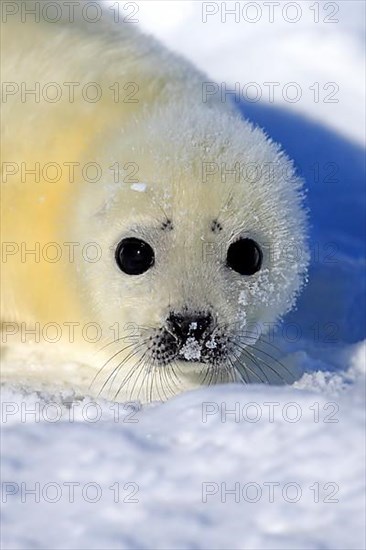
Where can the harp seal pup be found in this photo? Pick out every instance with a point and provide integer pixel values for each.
(146, 233)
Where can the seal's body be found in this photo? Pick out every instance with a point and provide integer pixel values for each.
(140, 217)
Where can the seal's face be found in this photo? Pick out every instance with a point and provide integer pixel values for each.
(200, 255)
(193, 326)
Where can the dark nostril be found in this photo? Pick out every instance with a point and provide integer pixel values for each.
(189, 325)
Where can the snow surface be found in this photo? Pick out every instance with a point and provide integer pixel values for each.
(165, 458)
(176, 466)
(304, 52)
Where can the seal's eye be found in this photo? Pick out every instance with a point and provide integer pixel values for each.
(134, 256)
(244, 256)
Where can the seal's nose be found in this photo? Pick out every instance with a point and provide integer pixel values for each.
(189, 325)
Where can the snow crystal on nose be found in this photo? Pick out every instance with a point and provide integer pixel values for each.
(193, 326)
(211, 344)
(191, 349)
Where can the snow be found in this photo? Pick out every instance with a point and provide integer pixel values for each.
(191, 349)
(211, 344)
(235, 50)
(222, 467)
(303, 441)
(140, 187)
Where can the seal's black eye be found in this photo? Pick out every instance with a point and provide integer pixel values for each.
(134, 256)
(244, 256)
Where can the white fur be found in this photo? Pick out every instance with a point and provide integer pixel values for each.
(170, 134)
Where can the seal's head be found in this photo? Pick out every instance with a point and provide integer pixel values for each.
(202, 229)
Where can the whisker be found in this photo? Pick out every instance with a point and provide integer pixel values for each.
(206, 371)
(247, 368)
(108, 361)
(130, 373)
(277, 361)
(238, 371)
(143, 369)
(120, 365)
(116, 342)
(255, 357)
(173, 378)
(260, 338)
